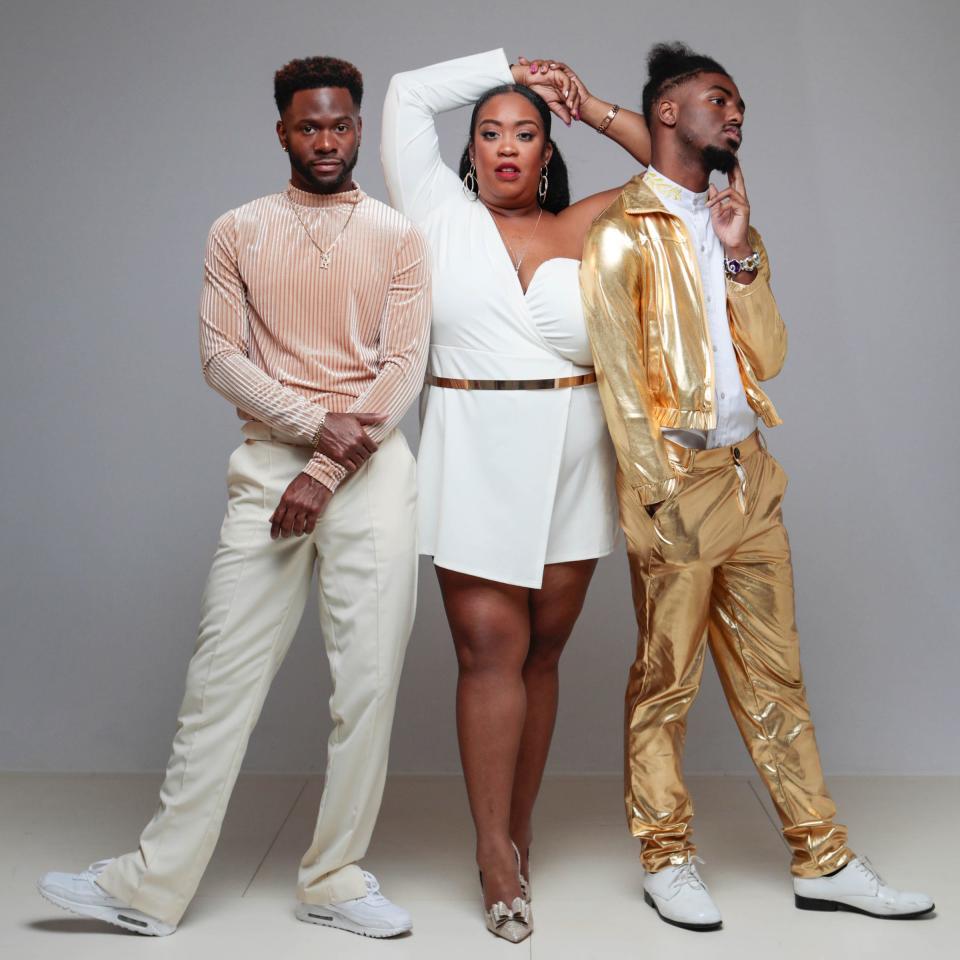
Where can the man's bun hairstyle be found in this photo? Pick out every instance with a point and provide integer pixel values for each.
(313, 72)
(669, 64)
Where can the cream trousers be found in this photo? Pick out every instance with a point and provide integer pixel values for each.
(365, 549)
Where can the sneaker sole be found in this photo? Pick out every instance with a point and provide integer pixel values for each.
(697, 927)
(131, 920)
(325, 917)
(812, 903)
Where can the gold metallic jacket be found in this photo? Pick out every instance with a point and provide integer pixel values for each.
(647, 321)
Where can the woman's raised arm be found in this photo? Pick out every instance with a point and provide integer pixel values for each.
(627, 127)
(417, 178)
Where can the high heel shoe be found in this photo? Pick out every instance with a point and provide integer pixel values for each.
(513, 923)
(524, 882)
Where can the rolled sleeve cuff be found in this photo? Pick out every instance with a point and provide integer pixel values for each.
(326, 471)
(742, 291)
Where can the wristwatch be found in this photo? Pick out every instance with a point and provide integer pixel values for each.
(733, 267)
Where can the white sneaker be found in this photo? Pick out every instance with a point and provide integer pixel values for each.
(859, 889)
(370, 916)
(81, 894)
(680, 897)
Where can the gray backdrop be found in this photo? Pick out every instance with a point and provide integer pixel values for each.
(127, 127)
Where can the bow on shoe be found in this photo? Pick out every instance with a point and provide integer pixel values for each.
(500, 913)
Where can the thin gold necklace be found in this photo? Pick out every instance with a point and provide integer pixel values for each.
(513, 257)
(324, 254)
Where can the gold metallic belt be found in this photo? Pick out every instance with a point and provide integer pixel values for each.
(554, 383)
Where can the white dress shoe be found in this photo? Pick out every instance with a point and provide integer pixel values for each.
(81, 894)
(680, 897)
(372, 915)
(859, 889)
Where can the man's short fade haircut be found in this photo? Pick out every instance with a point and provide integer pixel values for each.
(313, 72)
(670, 64)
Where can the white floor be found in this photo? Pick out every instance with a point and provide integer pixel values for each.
(586, 879)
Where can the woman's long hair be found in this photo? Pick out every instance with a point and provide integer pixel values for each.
(558, 188)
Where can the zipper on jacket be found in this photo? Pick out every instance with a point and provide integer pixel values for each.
(712, 406)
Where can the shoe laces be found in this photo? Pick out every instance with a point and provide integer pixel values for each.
(95, 869)
(866, 867)
(687, 875)
(374, 897)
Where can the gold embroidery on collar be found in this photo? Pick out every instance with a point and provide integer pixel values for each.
(662, 186)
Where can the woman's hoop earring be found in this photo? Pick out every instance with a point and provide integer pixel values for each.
(470, 182)
(544, 186)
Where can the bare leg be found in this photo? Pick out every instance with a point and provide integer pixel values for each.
(490, 623)
(553, 612)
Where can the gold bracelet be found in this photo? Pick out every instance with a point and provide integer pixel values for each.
(315, 442)
(608, 119)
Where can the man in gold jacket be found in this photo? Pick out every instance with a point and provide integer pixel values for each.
(684, 326)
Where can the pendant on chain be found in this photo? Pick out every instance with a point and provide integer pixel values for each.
(324, 260)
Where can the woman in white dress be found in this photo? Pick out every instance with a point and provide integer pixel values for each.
(515, 469)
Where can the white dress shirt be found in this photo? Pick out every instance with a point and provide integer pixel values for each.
(735, 417)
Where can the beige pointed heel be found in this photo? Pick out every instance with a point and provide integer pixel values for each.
(513, 923)
(524, 882)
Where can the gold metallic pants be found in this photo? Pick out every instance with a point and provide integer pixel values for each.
(715, 562)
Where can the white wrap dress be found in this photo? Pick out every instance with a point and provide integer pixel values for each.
(508, 480)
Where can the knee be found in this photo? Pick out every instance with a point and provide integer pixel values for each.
(489, 652)
(545, 651)
(664, 702)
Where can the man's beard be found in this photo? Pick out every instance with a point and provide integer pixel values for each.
(715, 158)
(326, 186)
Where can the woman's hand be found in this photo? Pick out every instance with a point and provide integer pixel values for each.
(562, 90)
(568, 97)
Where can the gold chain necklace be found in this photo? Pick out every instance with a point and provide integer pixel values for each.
(324, 254)
(513, 257)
